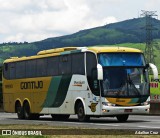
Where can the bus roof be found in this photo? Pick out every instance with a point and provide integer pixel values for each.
(68, 50)
(113, 49)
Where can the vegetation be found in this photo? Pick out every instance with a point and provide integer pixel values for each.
(129, 33)
(0, 87)
(72, 132)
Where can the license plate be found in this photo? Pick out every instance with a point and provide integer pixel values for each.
(128, 110)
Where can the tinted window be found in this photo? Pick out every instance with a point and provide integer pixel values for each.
(65, 64)
(78, 64)
(41, 67)
(91, 66)
(12, 70)
(6, 70)
(30, 68)
(52, 66)
(91, 63)
(20, 69)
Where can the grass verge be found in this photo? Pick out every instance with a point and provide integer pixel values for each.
(70, 132)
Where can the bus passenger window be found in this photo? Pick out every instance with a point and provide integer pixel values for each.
(6, 71)
(78, 63)
(52, 66)
(30, 68)
(12, 71)
(20, 69)
(65, 65)
(41, 67)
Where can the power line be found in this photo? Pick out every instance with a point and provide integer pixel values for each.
(149, 51)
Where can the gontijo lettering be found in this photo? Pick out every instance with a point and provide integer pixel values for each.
(31, 85)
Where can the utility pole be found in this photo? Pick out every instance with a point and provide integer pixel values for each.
(149, 51)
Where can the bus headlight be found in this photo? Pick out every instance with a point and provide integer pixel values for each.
(146, 103)
(107, 104)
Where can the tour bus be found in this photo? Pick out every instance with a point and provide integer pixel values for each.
(87, 81)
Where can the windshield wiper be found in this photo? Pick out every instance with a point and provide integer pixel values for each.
(129, 80)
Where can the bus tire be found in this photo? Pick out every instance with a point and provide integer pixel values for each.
(81, 113)
(27, 113)
(122, 118)
(58, 117)
(19, 110)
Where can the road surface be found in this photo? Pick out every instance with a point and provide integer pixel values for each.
(134, 122)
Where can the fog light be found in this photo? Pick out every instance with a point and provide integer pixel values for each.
(147, 110)
(104, 110)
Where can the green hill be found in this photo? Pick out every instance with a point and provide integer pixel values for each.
(130, 33)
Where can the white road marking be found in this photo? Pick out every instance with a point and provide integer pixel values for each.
(106, 125)
(148, 127)
(89, 124)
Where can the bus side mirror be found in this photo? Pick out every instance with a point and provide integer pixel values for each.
(154, 70)
(99, 72)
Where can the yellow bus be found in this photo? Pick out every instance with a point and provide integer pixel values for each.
(87, 81)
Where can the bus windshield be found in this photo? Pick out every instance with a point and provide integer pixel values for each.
(121, 59)
(124, 75)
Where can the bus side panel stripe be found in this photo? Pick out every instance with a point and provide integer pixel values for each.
(134, 100)
(57, 91)
(62, 90)
(52, 92)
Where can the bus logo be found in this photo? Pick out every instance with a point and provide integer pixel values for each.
(79, 83)
(31, 85)
(93, 107)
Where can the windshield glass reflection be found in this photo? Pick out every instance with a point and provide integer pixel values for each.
(125, 82)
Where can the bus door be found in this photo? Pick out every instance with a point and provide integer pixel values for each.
(93, 84)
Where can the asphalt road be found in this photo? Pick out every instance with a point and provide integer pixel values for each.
(134, 122)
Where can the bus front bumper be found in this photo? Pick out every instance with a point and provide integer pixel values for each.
(114, 110)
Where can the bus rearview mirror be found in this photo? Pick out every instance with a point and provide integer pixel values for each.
(99, 72)
(154, 70)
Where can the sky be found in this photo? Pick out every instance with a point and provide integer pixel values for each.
(35, 20)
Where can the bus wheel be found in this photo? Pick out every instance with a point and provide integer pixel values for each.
(81, 113)
(27, 113)
(122, 118)
(19, 111)
(58, 117)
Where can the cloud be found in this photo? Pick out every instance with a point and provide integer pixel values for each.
(150, 5)
(36, 20)
(32, 37)
(33, 20)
